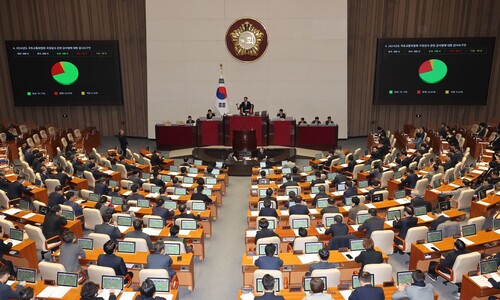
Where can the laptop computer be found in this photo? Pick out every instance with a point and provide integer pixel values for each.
(286, 171)
(197, 162)
(272, 224)
(155, 223)
(16, 236)
(259, 288)
(207, 192)
(363, 184)
(297, 223)
(401, 194)
(170, 205)
(24, 205)
(67, 279)
(193, 171)
(24, 274)
(211, 181)
(126, 247)
(85, 243)
(264, 181)
(331, 176)
(488, 266)
(367, 168)
(113, 183)
(166, 178)
(361, 218)
(445, 205)
(377, 197)
(116, 201)
(496, 224)
(155, 189)
(315, 190)
(307, 169)
(109, 282)
(146, 176)
(322, 202)
(329, 221)
(420, 210)
(144, 203)
(262, 164)
(187, 180)
(124, 221)
(356, 284)
(468, 230)
(179, 191)
(307, 283)
(215, 172)
(162, 285)
(434, 236)
(262, 249)
(348, 201)
(341, 187)
(391, 214)
(436, 183)
(218, 164)
(174, 169)
(172, 248)
(94, 197)
(189, 225)
(310, 178)
(398, 175)
(68, 215)
(291, 189)
(199, 206)
(313, 247)
(481, 194)
(405, 277)
(356, 245)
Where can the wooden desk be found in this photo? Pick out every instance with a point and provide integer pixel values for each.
(175, 137)
(257, 123)
(73, 226)
(282, 132)
(478, 209)
(25, 255)
(165, 162)
(79, 183)
(316, 137)
(420, 256)
(470, 290)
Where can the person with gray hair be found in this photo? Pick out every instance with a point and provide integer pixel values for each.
(417, 290)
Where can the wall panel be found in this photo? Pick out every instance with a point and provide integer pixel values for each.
(122, 20)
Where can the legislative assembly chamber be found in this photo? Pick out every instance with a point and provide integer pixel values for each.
(232, 149)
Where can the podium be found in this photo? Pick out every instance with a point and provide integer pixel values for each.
(257, 123)
(210, 132)
(244, 141)
(282, 133)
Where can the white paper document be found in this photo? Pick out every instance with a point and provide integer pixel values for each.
(430, 246)
(254, 213)
(123, 228)
(134, 209)
(11, 211)
(14, 242)
(466, 241)
(346, 294)
(313, 211)
(54, 292)
(251, 233)
(127, 193)
(105, 293)
(338, 194)
(247, 296)
(321, 230)
(174, 197)
(483, 203)
(481, 281)
(436, 191)
(426, 218)
(355, 227)
(478, 172)
(153, 195)
(403, 201)
(152, 231)
(282, 198)
(183, 232)
(128, 296)
(308, 258)
(453, 185)
(285, 212)
(364, 191)
(27, 216)
(389, 223)
(369, 205)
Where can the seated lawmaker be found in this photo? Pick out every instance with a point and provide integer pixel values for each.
(302, 121)
(56, 197)
(210, 114)
(137, 233)
(417, 290)
(109, 259)
(316, 121)
(329, 121)
(6, 291)
(324, 255)
(268, 285)
(161, 211)
(53, 222)
(448, 261)
(267, 210)
(404, 224)
(281, 114)
(101, 188)
(317, 290)
(200, 196)
(321, 195)
(184, 214)
(269, 261)
(367, 290)
(264, 231)
(289, 182)
(353, 212)
(330, 208)
(411, 179)
(299, 208)
(107, 227)
(90, 290)
(160, 260)
(350, 191)
(369, 255)
(338, 227)
(190, 121)
(174, 236)
(16, 188)
(148, 290)
(372, 224)
(246, 108)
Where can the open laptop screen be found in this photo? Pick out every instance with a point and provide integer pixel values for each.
(405, 277)
(162, 285)
(126, 247)
(28, 275)
(67, 279)
(112, 282)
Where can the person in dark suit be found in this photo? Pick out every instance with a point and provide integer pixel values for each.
(324, 254)
(161, 211)
(264, 231)
(269, 196)
(350, 191)
(449, 162)
(448, 261)
(316, 121)
(107, 227)
(367, 290)
(398, 165)
(369, 255)
(372, 224)
(351, 163)
(269, 262)
(135, 178)
(418, 200)
(63, 178)
(245, 107)
(443, 132)
(268, 284)
(321, 195)
(70, 201)
(6, 291)
(353, 212)
(184, 214)
(406, 159)
(77, 165)
(200, 196)
(281, 114)
(190, 121)
(90, 290)
(4, 183)
(411, 180)
(53, 222)
(481, 130)
(376, 188)
(331, 208)
(267, 210)
(289, 182)
(135, 195)
(109, 259)
(298, 208)
(16, 189)
(495, 143)
(148, 290)
(318, 179)
(4, 248)
(159, 259)
(137, 233)
(94, 169)
(210, 115)
(174, 236)
(123, 141)
(155, 158)
(302, 122)
(56, 197)
(101, 188)
(337, 228)
(404, 224)
(156, 180)
(71, 253)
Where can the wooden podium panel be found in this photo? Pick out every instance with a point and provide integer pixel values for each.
(257, 123)
(210, 132)
(282, 133)
(175, 137)
(317, 137)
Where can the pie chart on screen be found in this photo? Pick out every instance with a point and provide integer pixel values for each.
(432, 71)
(64, 72)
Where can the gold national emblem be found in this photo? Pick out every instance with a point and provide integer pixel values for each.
(246, 39)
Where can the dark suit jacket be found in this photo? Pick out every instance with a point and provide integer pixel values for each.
(371, 225)
(62, 177)
(372, 191)
(269, 263)
(338, 229)
(449, 260)
(15, 190)
(269, 296)
(289, 183)
(406, 162)
(323, 265)
(101, 189)
(76, 208)
(339, 179)
(113, 232)
(7, 292)
(201, 196)
(112, 261)
(351, 165)
(141, 235)
(56, 198)
(367, 292)
(186, 215)
(404, 224)
(316, 181)
(159, 261)
(136, 180)
(155, 160)
(263, 233)
(298, 209)
(268, 212)
(437, 221)
(135, 196)
(320, 196)
(4, 185)
(329, 210)
(370, 256)
(141, 297)
(162, 212)
(52, 225)
(353, 191)
(157, 182)
(419, 201)
(410, 180)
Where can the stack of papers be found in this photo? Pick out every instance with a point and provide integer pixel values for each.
(453, 185)
(251, 233)
(426, 218)
(403, 201)
(54, 292)
(186, 185)
(134, 209)
(369, 205)
(483, 203)
(321, 230)
(313, 211)
(308, 258)
(467, 241)
(343, 165)
(481, 281)
(389, 223)
(152, 231)
(153, 195)
(109, 172)
(173, 173)
(12, 211)
(183, 232)
(27, 216)
(347, 207)
(436, 191)
(478, 172)
(430, 246)
(360, 161)
(338, 194)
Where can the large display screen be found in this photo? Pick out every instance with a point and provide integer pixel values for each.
(436, 71)
(65, 73)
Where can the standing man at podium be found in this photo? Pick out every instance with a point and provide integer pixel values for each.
(246, 108)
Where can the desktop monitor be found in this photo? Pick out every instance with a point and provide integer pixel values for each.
(398, 175)
(322, 202)
(307, 283)
(378, 197)
(113, 183)
(315, 189)
(262, 193)
(94, 197)
(260, 205)
(401, 194)
(180, 191)
(481, 194)
(24, 274)
(363, 184)
(115, 200)
(114, 168)
(16, 234)
(356, 245)
(341, 187)
(85, 243)
(292, 189)
(265, 171)
(211, 181)
(307, 169)
(172, 248)
(218, 164)
(468, 230)
(331, 176)
(199, 206)
(24, 205)
(348, 201)
(286, 171)
(189, 225)
(436, 183)
(405, 277)
(355, 281)
(207, 192)
(146, 176)
(420, 210)
(445, 205)
(496, 224)
(193, 171)
(162, 285)
(310, 178)
(341, 161)
(68, 215)
(329, 221)
(262, 164)
(488, 266)
(187, 180)
(126, 247)
(272, 224)
(67, 279)
(79, 174)
(166, 178)
(112, 282)
(361, 218)
(155, 189)
(259, 288)
(262, 249)
(215, 171)
(392, 214)
(434, 236)
(155, 223)
(124, 221)
(129, 185)
(197, 162)
(297, 223)
(174, 169)
(264, 181)
(144, 203)
(313, 247)
(170, 205)
(367, 168)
